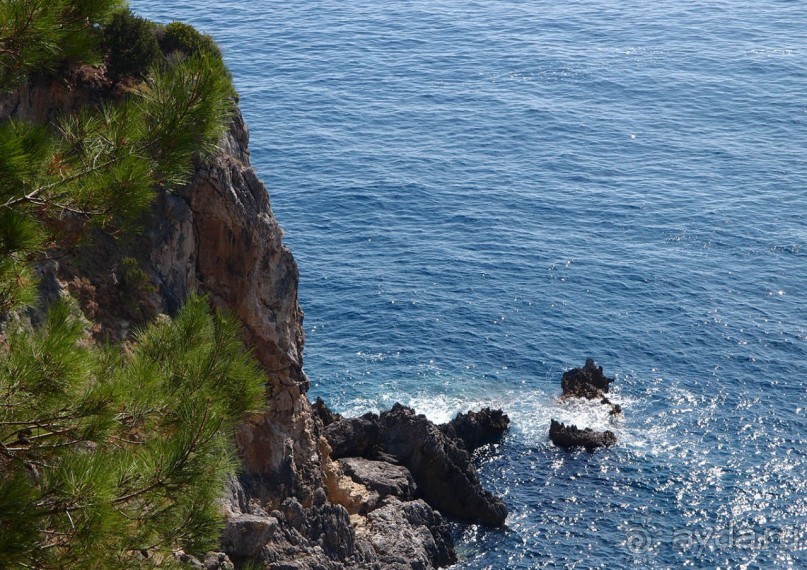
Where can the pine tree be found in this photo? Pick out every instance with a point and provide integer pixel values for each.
(100, 165)
(42, 35)
(109, 457)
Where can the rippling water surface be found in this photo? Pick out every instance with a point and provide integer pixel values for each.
(481, 194)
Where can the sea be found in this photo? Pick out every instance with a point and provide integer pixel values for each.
(481, 194)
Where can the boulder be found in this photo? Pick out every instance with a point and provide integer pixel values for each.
(571, 436)
(384, 478)
(245, 535)
(587, 382)
(406, 535)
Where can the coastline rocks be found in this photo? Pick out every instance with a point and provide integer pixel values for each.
(218, 236)
(440, 465)
(384, 478)
(587, 382)
(475, 429)
(404, 535)
(571, 436)
(590, 383)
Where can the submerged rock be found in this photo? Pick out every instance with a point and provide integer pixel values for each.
(571, 436)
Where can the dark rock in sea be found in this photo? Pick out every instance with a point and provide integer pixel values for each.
(380, 476)
(587, 382)
(355, 437)
(475, 429)
(571, 436)
(440, 465)
(324, 413)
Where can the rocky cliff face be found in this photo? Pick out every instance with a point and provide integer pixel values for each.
(292, 506)
(226, 242)
(218, 236)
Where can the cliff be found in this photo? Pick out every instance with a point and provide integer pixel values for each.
(292, 506)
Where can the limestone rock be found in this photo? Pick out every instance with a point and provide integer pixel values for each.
(407, 536)
(384, 478)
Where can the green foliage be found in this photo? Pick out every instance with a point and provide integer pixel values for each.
(187, 108)
(182, 37)
(105, 454)
(134, 285)
(41, 35)
(101, 166)
(131, 46)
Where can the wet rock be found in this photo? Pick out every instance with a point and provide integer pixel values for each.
(587, 382)
(475, 429)
(384, 478)
(616, 409)
(571, 436)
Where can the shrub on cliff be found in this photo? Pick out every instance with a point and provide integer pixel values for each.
(131, 46)
(179, 36)
(106, 455)
(41, 35)
(101, 167)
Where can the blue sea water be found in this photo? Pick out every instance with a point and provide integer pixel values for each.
(481, 194)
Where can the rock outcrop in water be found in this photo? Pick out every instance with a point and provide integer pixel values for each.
(590, 383)
(439, 463)
(475, 429)
(587, 382)
(571, 436)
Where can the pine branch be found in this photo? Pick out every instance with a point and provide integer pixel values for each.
(185, 456)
